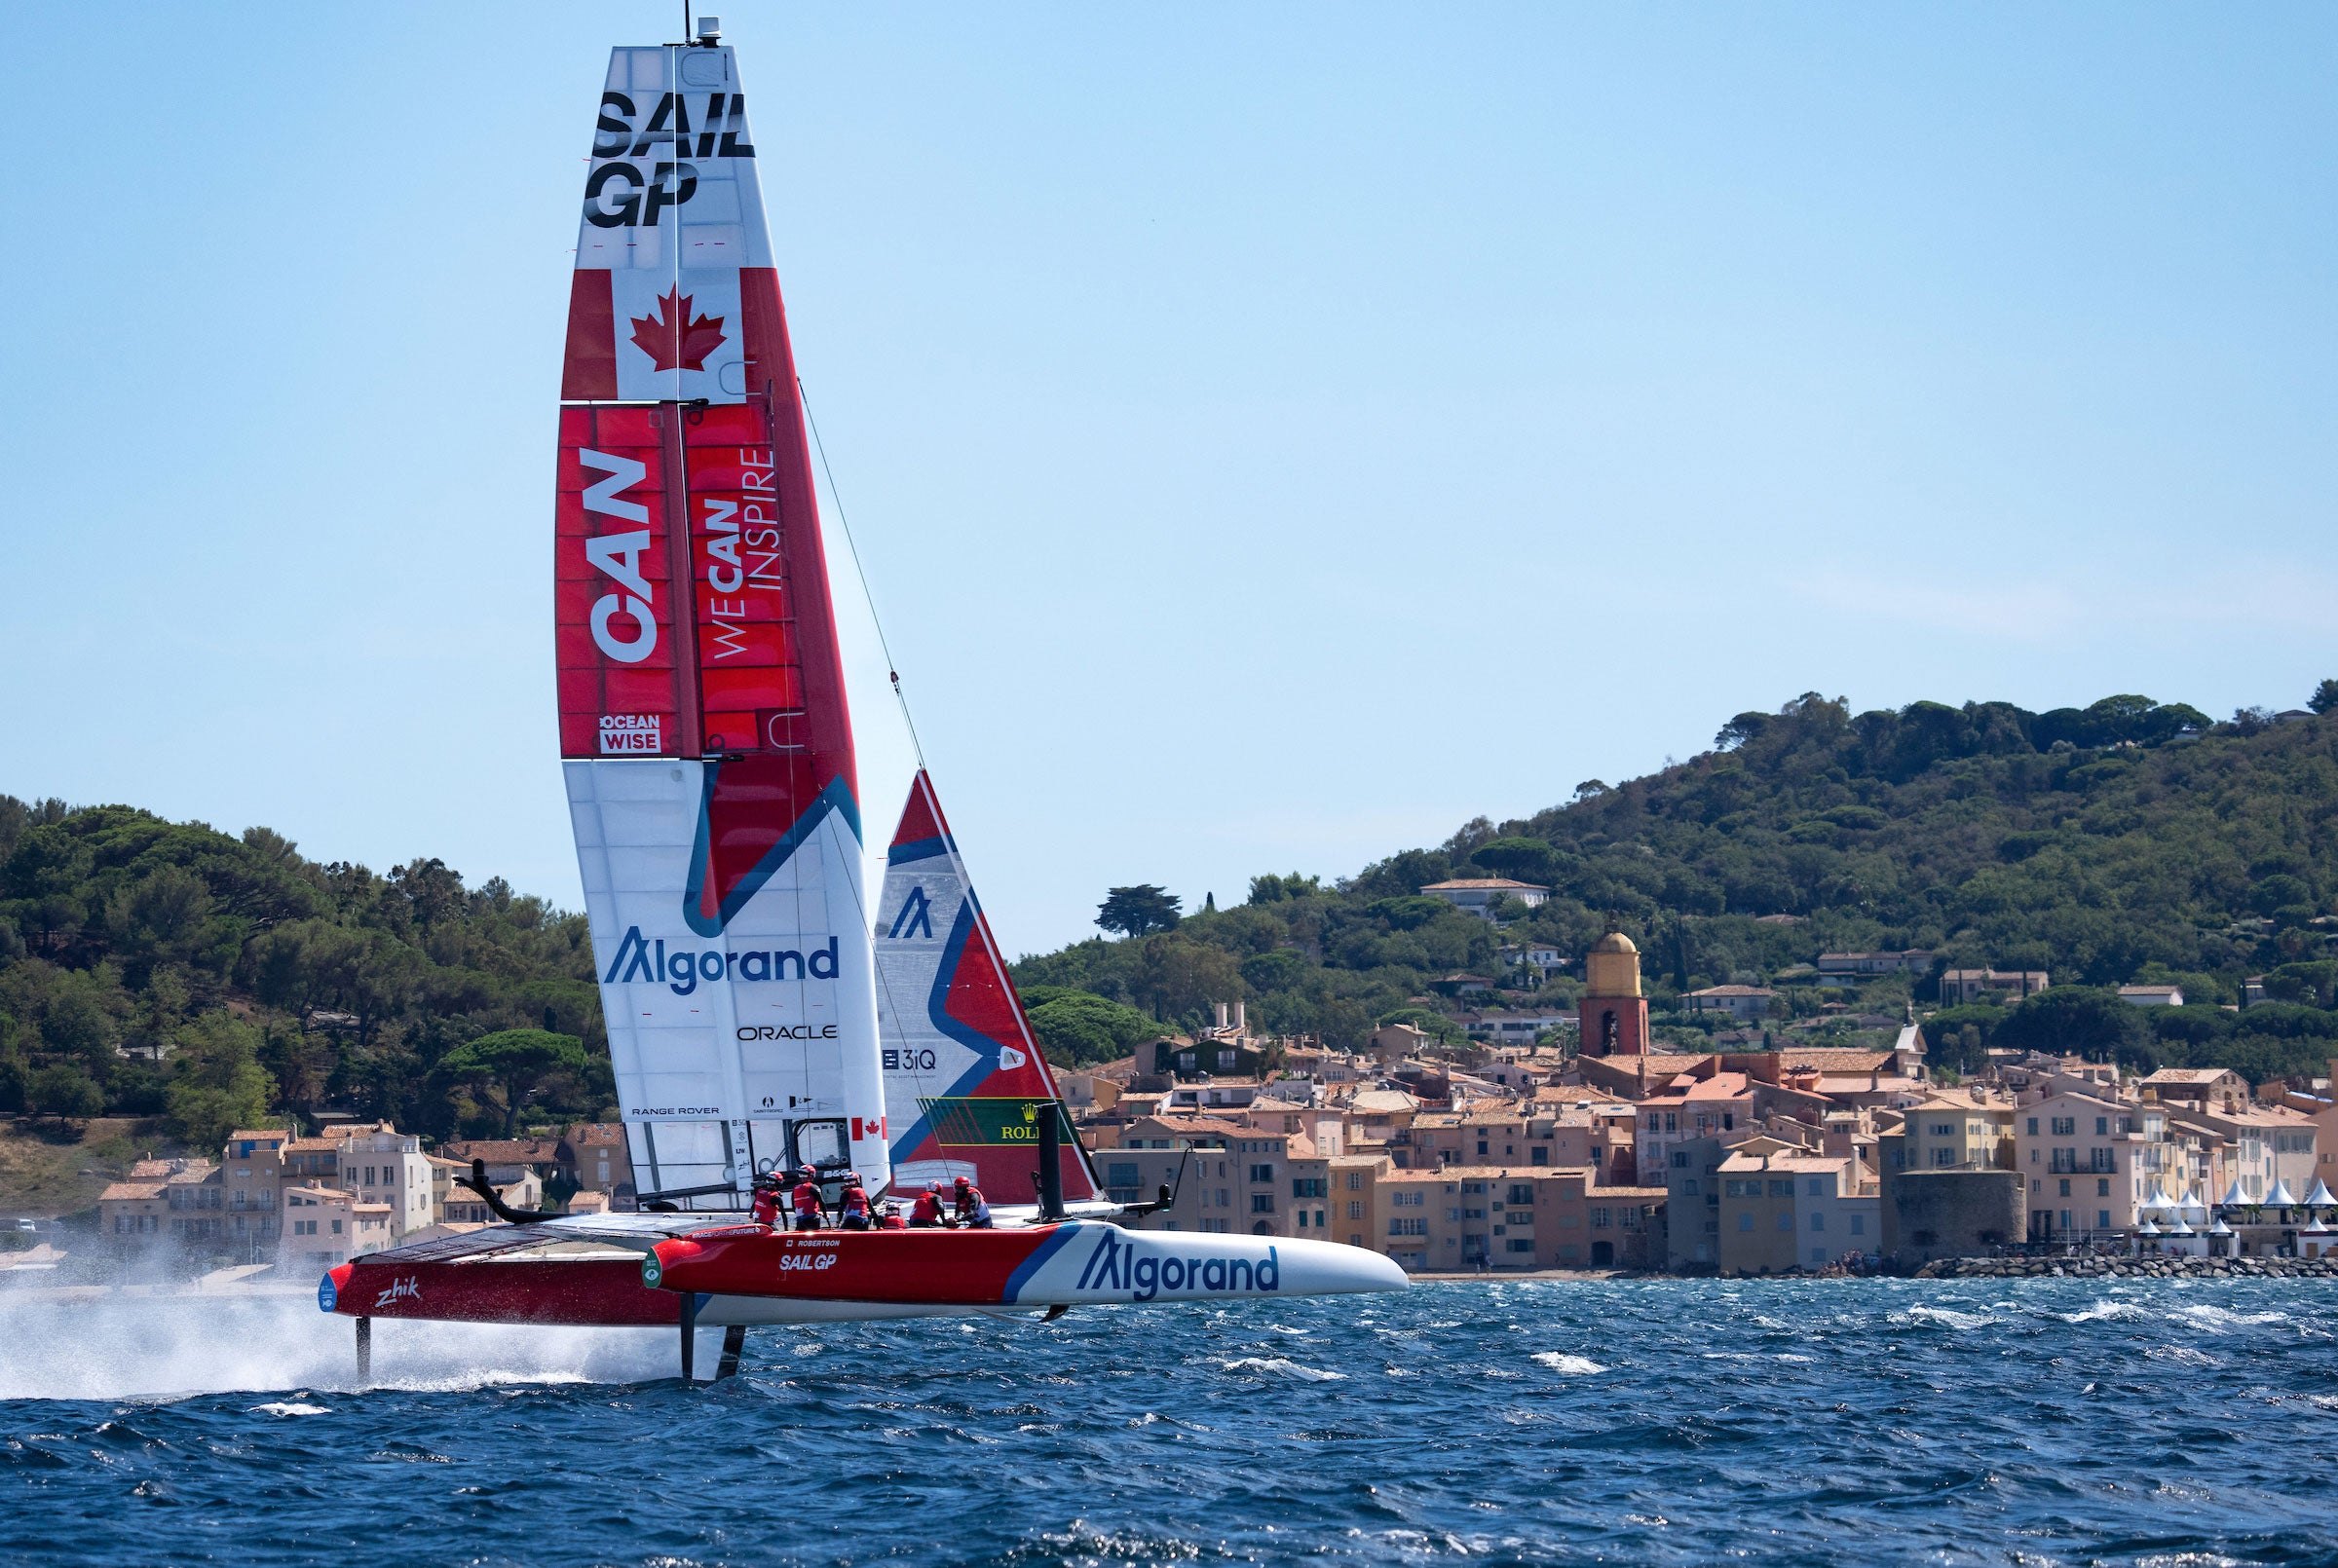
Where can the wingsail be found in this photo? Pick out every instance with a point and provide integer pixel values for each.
(964, 1079)
(706, 740)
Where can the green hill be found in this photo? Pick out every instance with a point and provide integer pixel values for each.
(158, 969)
(2129, 840)
(168, 972)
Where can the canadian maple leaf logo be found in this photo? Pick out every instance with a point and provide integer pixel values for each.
(670, 344)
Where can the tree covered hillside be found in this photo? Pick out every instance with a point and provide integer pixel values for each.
(2127, 841)
(150, 968)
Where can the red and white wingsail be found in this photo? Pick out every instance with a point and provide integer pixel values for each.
(965, 1081)
(702, 717)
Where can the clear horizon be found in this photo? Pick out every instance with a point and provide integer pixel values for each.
(1273, 438)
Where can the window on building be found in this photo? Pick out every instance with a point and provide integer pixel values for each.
(1481, 1145)
(1817, 1221)
(1786, 1223)
(2065, 1126)
(1355, 1182)
(1688, 1187)
(1782, 1189)
(1745, 1223)
(2033, 1127)
(2102, 1127)
(2102, 1188)
(1519, 1244)
(1409, 1200)
(2102, 1219)
(1121, 1174)
(1409, 1227)
(2065, 1186)
(1521, 1192)
(1261, 1173)
(1817, 1186)
(1355, 1210)
(1859, 1224)
(1599, 1218)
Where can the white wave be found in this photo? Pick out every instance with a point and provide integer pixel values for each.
(2221, 1319)
(1283, 1367)
(148, 1348)
(2102, 1312)
(289, 1407)
(1572, 1366)
(1949, 1315)
(2182, 1355)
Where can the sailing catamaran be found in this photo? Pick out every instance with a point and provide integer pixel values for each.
(762, 1017)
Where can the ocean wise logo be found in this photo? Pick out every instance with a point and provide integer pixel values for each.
(1118, 1265)
(641, 960)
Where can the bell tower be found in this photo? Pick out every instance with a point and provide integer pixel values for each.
(1614, 1016)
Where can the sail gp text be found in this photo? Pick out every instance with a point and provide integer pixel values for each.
(639, 959)
(1118, 1265)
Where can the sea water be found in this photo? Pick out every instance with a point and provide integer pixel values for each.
(2037, 1422)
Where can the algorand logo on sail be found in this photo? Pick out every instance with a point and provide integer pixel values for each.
(640, 960)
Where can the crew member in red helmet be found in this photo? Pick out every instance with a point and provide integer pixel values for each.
(808, 1214)
(766, 1208)
(926, 1212)
(856, 1206)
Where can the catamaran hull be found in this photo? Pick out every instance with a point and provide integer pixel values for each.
(745, 1274)
(1072, 1263)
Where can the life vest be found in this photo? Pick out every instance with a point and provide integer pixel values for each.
(891, 1219)
(807, 1199)
(926, 1210)
(857, 1203)
(972, 1208)
(767, 1206)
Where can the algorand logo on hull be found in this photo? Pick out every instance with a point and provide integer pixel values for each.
(1118, 1265)
(640, 960)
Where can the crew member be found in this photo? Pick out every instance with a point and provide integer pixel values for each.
(765, 1210)
(974, 1208)
(926, 1212)
(890, 1218)
(808, 1214)
(856, 1206)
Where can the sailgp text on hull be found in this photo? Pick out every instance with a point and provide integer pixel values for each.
(703, 727)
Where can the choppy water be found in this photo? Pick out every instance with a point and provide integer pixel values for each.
(1629, 1422)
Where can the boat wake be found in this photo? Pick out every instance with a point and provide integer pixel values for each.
(156, 1348)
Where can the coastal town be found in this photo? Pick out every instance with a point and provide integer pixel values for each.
(1521, 1149)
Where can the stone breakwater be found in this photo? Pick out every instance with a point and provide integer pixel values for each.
(2130, 1268)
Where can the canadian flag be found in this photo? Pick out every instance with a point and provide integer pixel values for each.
(867, 1129)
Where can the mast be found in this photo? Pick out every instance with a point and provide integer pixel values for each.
(704, 731)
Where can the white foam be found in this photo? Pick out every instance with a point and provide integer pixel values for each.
(1559, 1360)
(162, 1347)
(289, 1407)
(1283, 1367)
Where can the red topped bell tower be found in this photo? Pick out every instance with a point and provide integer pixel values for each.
(1614, 1016)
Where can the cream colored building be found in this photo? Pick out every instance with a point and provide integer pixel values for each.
(378, 1164)
(1784, 1207)
(1959, 1130)
(327, 1225)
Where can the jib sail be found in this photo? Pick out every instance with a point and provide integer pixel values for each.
(707, 744)
(965, 1081)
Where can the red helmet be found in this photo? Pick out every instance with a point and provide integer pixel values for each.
(966, 1181)
(933, 1186)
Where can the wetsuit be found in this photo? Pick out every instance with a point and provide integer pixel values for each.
(767, 1207)
(926, 1210)
(856, 1208)
(808, 1215)
(974, 1208)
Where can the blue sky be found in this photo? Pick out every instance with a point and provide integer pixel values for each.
(1274, 435)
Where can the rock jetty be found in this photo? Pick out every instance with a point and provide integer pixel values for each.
(2130, 1268)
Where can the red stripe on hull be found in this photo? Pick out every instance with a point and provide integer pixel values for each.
(585, 1292)
(905, 1267)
